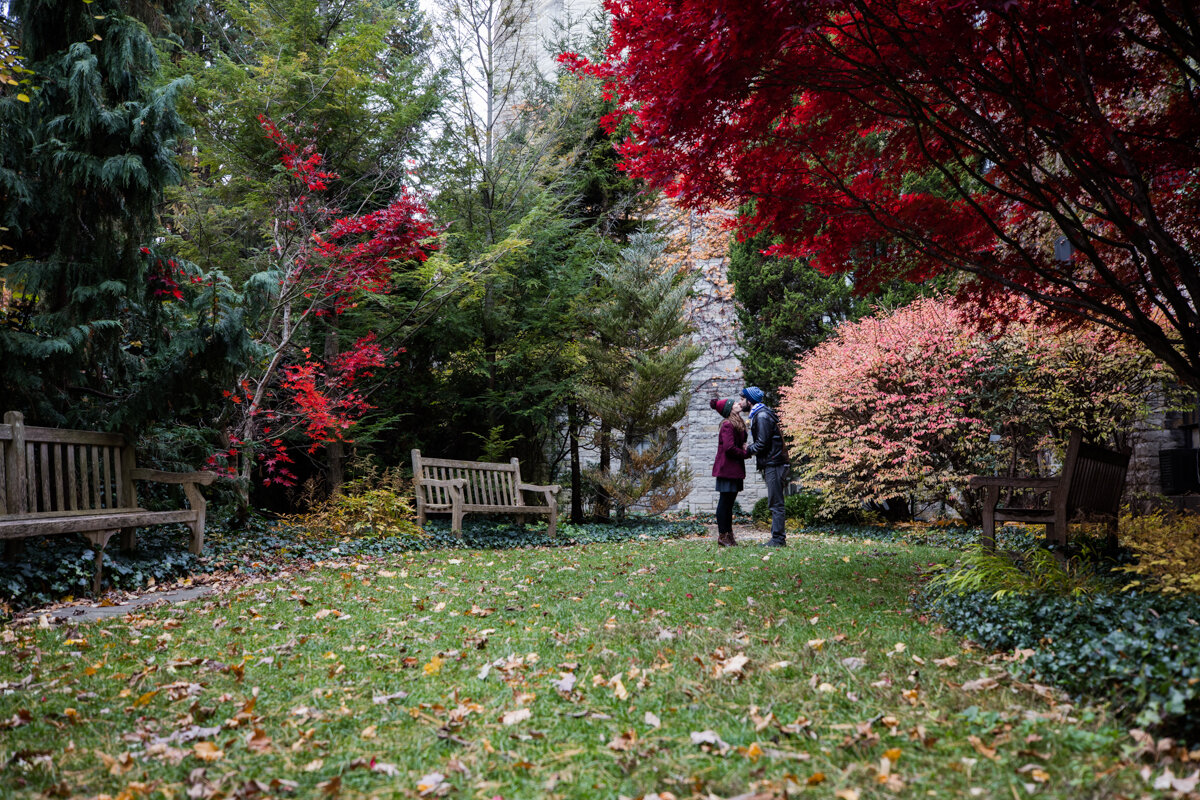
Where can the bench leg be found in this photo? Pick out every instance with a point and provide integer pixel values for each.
(128, 540)
(99, 540)
(196, 503)
(456, 517)
(552, 528)
(1110, 540)
(988, 537)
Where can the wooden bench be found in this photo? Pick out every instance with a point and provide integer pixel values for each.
(455, 487)
(54, 480)
(1088, 488)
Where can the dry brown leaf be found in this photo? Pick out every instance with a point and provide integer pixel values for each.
(207, 751)
(513, 717)
(258, 741)
(980, 684)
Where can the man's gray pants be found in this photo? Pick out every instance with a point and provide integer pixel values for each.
(776, 480)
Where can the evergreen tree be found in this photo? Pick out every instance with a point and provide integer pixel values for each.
(639, 358)
(786, 308)
(83, 167)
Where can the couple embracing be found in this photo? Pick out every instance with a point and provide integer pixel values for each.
(729, 468)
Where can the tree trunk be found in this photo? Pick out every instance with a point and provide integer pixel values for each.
(335, 452)
(602, 498)
(576, 468)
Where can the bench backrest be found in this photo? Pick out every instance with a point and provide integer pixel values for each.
(55, 470)
(1095, 477)
(488, 485)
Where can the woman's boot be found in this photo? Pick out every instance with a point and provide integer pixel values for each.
(726, 539)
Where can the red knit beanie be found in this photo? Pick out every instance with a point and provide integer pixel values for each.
(724, 406)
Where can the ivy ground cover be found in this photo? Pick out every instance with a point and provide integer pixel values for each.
(618, 669)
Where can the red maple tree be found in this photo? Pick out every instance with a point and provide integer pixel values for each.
(1043, 146)
(325, 262)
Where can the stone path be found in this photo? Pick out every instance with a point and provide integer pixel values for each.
(747, 535)
(89, 612)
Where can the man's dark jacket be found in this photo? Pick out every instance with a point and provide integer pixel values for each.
(768, 449)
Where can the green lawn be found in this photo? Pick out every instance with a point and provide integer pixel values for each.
(598, 671)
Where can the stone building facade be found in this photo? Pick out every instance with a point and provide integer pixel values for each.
(699, 246)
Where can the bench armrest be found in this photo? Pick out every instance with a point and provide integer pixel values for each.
(981, 481)
(158, 476)
(533, 487)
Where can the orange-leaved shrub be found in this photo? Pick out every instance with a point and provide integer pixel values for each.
(902, 404)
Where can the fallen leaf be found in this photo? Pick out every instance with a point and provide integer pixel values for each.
(383, 699)
(816, 778)
(370, 732)
(982, 749)
(513, 717)
(981, 684)
(735, 665)
(652, 720)
(116, 766)
(623, 742)
(701, 738)
(433, 783)
(207, 751)
(258, 741)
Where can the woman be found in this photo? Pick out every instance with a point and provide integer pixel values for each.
(729, 468)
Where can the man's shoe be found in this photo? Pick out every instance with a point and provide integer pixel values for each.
(775, 543)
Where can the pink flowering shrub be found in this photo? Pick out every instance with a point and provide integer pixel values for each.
(902, 404)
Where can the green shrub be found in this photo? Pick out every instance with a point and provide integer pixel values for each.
(1140, 652)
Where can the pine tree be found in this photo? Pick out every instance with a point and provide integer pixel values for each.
(639, 357)
(786, 308)
(83, 166)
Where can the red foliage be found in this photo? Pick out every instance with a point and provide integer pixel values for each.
(326, 261)
(901, 138)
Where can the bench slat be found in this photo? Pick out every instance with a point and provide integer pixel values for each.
(47, 525)
(96, 477)
(30, 476)
(47, 503)
(106, 470)
(69, 451)
(35, 434)
(487, 509)
(60, 500)
(118, 484)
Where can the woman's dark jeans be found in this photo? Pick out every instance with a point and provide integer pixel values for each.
(725, 512)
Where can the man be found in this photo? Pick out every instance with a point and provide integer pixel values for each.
(770, 454)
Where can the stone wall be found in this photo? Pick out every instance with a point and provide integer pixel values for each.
(700, 245)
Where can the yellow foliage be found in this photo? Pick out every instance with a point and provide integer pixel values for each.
(377, 504)
(1167, 547)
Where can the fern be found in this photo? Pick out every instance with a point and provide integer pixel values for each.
(1035, 570)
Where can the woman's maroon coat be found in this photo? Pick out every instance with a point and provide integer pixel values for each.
(731, 455)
